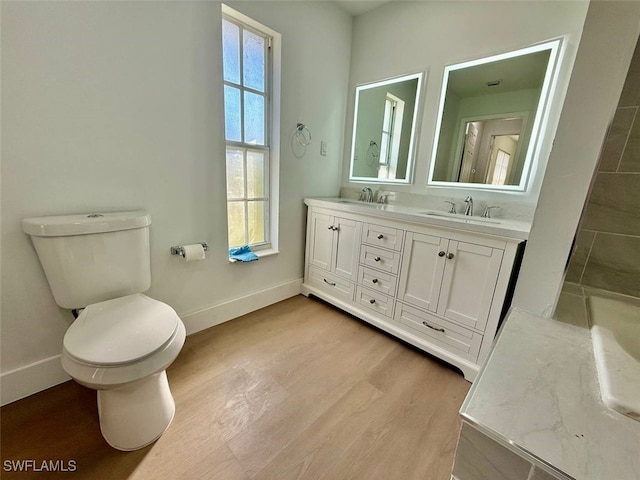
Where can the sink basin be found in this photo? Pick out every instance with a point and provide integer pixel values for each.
(460, 218)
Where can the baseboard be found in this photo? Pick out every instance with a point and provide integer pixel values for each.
(223, 312)
(30, 379)
(38, 376)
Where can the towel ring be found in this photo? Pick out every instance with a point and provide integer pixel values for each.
(303, 138)
(373, 153)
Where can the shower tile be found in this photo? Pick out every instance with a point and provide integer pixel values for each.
(616, 139)
(614, 264)
(579, 255)
(614, 205)
(631, 91)
(631, 155)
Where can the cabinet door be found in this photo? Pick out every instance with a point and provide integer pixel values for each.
(422, 268)
(347, 247)
(469, 282)
(321, 248)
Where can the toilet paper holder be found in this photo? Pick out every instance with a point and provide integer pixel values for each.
(179, 250)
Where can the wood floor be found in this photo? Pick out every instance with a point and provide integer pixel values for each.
(298, 390)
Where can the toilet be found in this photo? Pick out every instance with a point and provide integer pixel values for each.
(121, 341)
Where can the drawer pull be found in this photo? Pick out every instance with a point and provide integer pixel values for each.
(441, 253)
(375, 280)
(380, 237)
(377, 259)
(372, 301)
(450, 256)
(329, 283)
(433, 328)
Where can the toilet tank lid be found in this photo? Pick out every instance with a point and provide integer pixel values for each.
(86, 223)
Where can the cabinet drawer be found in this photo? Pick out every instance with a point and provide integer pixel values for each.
(376, 301)
(454, 338)
(377, 281)
(382, 236)
(332, 284)
(384, 260)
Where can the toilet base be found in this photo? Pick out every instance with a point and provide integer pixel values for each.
(136, 414)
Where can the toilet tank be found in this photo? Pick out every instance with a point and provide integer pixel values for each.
(90, 258)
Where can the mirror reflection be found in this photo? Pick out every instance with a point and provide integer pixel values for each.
(490, 113)
(384, 128)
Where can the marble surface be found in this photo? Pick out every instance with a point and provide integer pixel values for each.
(616, 343)
(523, 212)
(518, 230)
(538, 395)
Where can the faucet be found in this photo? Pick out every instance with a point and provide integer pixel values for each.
(487, 211)
(453, 206)
(366, 194)
(468, 210)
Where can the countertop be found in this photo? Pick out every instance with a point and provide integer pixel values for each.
(517, 230)
(538, 395)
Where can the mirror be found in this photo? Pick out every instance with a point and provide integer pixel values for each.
(384, 126)
(490, 116)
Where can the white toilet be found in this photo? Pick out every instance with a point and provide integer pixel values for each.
(122, 341)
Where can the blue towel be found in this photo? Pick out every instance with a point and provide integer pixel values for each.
(242, 254)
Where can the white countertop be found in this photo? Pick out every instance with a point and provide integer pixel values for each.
(538, 395)
(518, 230)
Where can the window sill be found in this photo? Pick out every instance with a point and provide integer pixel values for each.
(267, 252)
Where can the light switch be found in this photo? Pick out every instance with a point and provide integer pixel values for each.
(323, 147)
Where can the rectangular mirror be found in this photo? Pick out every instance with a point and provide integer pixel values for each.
(384, 126)
(490, 119)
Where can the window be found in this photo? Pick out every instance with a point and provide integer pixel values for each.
(251, 91)
(502, 165)
(391, 132)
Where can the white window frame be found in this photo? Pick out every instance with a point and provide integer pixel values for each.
(272, 131)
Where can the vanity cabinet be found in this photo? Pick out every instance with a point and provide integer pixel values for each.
(333, 246)
(438, 288)
(452, 278)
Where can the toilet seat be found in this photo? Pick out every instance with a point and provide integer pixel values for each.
(121, 331)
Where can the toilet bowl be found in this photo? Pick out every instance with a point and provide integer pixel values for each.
(121, 348)
(122, 341)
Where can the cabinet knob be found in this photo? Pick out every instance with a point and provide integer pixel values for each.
(450, 256)
(375, 280)
(331, 227)
(380, 237)
(377, 259)
(372, 301)
(329, 283)
(441, 253)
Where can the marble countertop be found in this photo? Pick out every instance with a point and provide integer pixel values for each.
(538, 395)
(515, 229)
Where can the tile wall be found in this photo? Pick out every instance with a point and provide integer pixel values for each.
(606, 254)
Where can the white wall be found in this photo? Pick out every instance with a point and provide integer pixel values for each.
(609, 38)
(405, 37)
(118, 105)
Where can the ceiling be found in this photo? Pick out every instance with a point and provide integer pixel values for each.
(358, 7)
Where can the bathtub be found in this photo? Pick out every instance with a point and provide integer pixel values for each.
(615, 332)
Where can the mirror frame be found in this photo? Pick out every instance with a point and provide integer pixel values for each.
(420, 76)
(540, 120)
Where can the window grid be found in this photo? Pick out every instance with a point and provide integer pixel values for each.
(246, 147)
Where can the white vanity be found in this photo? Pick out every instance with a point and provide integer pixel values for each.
(435, 280)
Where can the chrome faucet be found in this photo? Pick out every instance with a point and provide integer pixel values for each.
(366, 194)
(468, 210)
(453, 206)
(487, 211)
